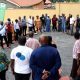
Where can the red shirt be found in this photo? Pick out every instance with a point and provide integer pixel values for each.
(9, 28)
(54, 20)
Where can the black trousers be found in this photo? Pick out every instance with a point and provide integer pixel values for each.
(34, 28)
(9, 35)
(22, 76)
(54, 27)
(4, 37)
(20, 31)
(17, 34)
(3, 75)
(74, 69)
(30, 28)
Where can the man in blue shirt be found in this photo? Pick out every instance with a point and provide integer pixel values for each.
(45, 61)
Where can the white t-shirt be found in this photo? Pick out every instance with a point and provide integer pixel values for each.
(21, 55)
(3, 31)
(72, 20)
(76, 49)
(16, 26)
(30, 22)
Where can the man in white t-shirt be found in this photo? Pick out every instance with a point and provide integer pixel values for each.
(30, 23)
(16, 29)
(20, 60)
(72, 21)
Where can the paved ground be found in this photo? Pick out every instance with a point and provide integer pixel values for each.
(65, 44)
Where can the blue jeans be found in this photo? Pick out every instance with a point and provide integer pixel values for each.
(63, 27)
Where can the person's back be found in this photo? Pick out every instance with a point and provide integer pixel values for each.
(21, 54)
(20, 60)
(45, 58)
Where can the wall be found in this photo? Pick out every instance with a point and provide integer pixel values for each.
(73, 8)
(66, 8)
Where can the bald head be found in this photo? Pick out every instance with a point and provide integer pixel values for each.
(43, 39)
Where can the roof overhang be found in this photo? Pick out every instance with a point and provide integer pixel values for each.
(25, 5)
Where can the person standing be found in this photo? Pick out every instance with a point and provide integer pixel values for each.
(4, 63)
(43, 22)
(32, 42)
(48, 23)
(45, 61)
(20, 25)
(78, 24)
(9, 31)
(30, 24)
(3, 35)
(20, 56)
(38, 24)
(72, 21)
(16, 29)
(63, 23)
(78, 70)
(24, 26)
(33, 25)
(46, 15)
(59, 24)
(76, 51)
(68, 24)
(13, 32)
(54, 23)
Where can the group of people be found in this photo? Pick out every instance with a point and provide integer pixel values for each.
(10, 30)
(39, 58)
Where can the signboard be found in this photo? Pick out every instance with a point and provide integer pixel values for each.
(2, 11)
